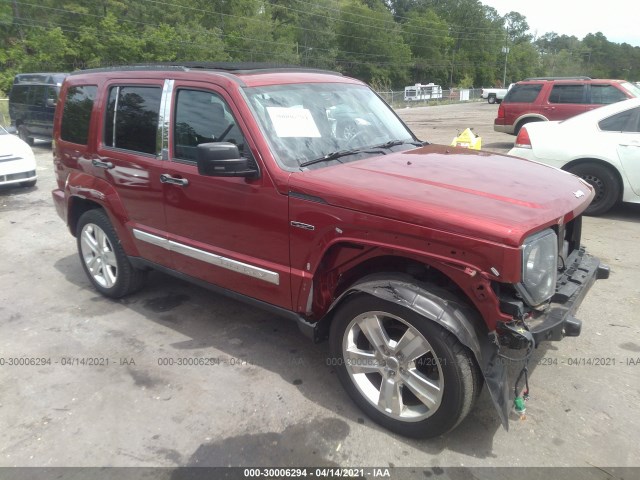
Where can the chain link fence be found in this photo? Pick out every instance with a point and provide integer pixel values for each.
(454, 95)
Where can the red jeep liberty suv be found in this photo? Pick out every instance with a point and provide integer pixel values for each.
(302, 192)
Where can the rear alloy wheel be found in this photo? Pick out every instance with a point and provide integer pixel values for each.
(492, 99)
(24, 136)
(103, 258)
(603, 181)
(404, 371)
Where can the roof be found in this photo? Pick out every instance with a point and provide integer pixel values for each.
(245, 74)
(245, 68)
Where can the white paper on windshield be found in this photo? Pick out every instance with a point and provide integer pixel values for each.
(293, 122)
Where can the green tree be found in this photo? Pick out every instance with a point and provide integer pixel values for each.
(427, 35)
(371, 45)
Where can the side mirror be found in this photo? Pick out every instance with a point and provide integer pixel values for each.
(222, 159)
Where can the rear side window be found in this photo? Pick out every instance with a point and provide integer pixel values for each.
(132, 118)
(606, 94)
(567, 94)
(36, 96)
(626, 121)
(523, 93)
(77, 113)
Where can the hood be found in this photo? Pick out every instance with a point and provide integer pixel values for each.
(495, 197)
(12, 146)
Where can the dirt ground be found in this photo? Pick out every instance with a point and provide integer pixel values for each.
(260, 394)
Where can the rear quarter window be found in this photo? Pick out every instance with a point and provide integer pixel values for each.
(77, 114)
(18, 94)
(523, 93)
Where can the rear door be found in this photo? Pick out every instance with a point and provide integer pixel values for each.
(565, 100)
(128, 156)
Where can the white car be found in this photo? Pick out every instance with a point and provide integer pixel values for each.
(602, 146)
(17, 162)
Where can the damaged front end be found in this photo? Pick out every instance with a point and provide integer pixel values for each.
(557, 274)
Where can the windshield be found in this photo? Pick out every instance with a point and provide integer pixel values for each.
(630, 87)
(311, 121)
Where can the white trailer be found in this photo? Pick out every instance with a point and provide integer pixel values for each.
(416, 92)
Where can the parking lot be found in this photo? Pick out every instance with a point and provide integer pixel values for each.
(178, 376)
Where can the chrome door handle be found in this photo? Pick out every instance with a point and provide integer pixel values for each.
(100, 164)
(165, 178)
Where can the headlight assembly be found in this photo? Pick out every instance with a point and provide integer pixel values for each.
(539, 267)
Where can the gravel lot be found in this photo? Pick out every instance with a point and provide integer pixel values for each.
(267, 396)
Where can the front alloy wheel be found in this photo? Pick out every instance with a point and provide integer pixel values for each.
(393, 366)
(404, 371)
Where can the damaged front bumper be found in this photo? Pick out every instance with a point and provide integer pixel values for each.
(558, 320)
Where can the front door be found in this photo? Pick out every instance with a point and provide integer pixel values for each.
(229, 231)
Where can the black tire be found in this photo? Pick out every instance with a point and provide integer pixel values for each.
(522, 124)
(24, 136)
(29, 184)
(447, 363)
(604, 182)
(103, 258)
(491, 99)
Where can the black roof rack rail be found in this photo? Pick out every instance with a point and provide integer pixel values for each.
(229, 67)
(557, 78)
(50, 78)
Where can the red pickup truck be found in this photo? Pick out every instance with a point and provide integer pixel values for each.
(302, 192)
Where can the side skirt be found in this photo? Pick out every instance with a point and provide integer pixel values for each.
(308, 329)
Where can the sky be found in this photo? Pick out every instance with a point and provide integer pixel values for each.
(576, 17)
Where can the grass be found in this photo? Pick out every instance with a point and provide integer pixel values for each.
(4, 112)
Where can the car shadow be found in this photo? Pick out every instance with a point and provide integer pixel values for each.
(626, 212)
(15, 190)
(276, 344)
(499, 147)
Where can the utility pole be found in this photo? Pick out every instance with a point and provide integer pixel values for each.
(505, 50)
(16, 16)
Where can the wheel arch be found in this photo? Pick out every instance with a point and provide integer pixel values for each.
(78, 206)
(612, 168)
(469, 329)
(523, 120)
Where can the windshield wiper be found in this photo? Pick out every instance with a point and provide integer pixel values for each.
(344, 153)
(395, 143)
(334, 156)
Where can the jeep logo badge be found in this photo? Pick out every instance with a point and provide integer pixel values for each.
(578, 193)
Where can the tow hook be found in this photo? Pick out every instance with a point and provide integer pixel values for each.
(515, 336)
